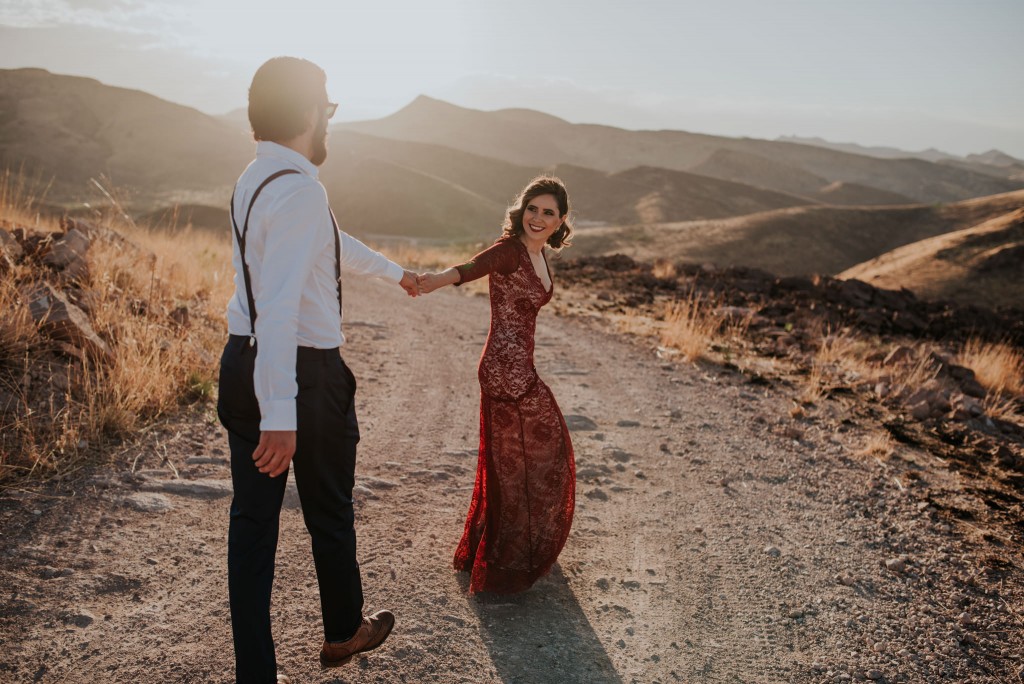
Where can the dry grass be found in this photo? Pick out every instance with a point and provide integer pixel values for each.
(664, 269)
(879, 445)
(690, 326)
(839, 359)
(910, 377)
(432, 258)
(999, 368)
(53, 407)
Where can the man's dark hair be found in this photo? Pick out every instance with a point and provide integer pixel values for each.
(281, 95)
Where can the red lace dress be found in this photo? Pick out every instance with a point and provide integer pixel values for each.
(525, 489)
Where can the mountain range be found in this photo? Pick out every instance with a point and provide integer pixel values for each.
(436, 171)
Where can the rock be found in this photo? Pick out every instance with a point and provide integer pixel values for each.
(579, 423)
(79, 618)
(597, 494)
(640, 475)
(855, 293)
(148, 502)
(67, 254)
(628, 423)
(377, 483)
(895, 565)
(900, 354)
(194, 489)
(181, 316)
(363, 493)
(10, 251)
(603, 583)
(205, 460)
(592, 472)
(874, 675)
(61, 320)
(973, 388)
(792, 432)
(773, 551)
(620, 456)
(921, 410)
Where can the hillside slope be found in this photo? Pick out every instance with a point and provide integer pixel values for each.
(545, 141)
(983, 264)
(797, 240)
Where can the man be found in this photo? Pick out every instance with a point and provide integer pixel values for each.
(286, 395)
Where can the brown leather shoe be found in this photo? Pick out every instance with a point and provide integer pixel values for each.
(371, 634)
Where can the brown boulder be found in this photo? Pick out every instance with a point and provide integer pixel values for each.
(900, 354)
(67, 254)
(10, 251)
(61, 320)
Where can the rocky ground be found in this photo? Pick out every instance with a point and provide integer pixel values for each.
(719, 535)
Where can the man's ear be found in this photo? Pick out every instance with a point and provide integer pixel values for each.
(310, 120)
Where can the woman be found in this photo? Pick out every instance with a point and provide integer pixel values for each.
(525, 489)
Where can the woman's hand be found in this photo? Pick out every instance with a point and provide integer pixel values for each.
(431, 281)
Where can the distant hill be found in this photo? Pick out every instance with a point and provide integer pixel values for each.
(546, 141)
(72, 129)
(173, 165)
(653, 195)
(855, 194)
(879, 151)
(799, 240)
(980, 265)
(995, 158)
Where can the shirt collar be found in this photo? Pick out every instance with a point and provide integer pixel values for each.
(273, 150)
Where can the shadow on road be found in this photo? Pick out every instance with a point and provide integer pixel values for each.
(541, 636)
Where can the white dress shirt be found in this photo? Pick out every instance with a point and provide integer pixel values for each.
(289, 248)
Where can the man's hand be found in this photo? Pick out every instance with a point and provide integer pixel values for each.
(275, 451)
(410, 283)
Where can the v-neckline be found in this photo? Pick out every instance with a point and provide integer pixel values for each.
(533, 269)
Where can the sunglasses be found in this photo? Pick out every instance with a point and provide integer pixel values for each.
(330, 108)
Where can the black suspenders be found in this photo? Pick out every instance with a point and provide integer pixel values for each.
(240, 236)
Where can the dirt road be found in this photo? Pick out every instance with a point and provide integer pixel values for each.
(709, 544)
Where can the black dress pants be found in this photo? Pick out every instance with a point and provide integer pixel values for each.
(324, 466)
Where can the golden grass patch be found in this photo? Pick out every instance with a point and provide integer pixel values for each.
(157, 299)
(998, 367)
(690, 326)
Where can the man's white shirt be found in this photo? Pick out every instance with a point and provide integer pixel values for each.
(290, 252)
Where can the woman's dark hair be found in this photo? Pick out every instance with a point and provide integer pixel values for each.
(541, 185)
(282, 92)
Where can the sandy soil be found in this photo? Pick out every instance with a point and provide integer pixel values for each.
(710, 544)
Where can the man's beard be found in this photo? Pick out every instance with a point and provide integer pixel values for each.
(320, 144)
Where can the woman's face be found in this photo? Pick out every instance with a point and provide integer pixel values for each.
(540, 218)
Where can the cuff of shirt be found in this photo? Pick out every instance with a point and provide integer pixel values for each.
(278, 415)
(394, 272)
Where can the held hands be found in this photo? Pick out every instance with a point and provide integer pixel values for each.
(424, 283)
(275, 451)
(430, 282)
(410, 283)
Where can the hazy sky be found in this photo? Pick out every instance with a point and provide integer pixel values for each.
(906, 73)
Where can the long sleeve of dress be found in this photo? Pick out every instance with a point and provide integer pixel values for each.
(501, 257)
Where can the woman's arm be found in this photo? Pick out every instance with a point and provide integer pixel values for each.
(501, 257)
